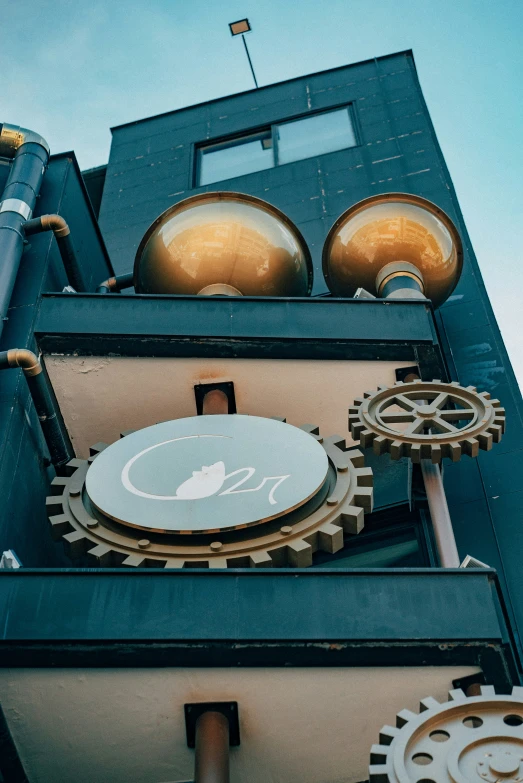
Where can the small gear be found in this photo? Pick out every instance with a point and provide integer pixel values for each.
(469, 739)
(289, 540)
(427, 420)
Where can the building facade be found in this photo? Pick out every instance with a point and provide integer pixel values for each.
(342, 617)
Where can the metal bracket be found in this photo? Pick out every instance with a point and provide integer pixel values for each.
(403, 372)
(472, 679)
(201, 389)
(227, 708)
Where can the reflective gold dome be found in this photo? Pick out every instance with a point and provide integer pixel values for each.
(223, 239)
(390, 228)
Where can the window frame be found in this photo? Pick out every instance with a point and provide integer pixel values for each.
(252, 134)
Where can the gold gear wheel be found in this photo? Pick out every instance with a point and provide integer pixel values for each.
(469, 739)
(290, 540)
(427, 420)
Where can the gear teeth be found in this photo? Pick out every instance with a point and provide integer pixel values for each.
(378, 774)
(366, 438)
(358, 401)
(485, 395)
(299, 554)
(125, 433)
(363, 496)
(457, 694)
(311, 429)
(436, 380)
(97, 448)
(415, 453)
(387, 734)
(356, 427)
(76, 544)
(356, 457)
(60, 525)
(470, 446)
(403, 717)
(471, 389)
(380, 444)
(454, 452)
(396, 449)
(378, 754)
(517, 692)
(102, 555)
(368, 394)
(488, 691)
(496, 430)
(330, 538)
(436, 454)
(279, 418)
(485, 440)
(429, 703)
(495, 403)
(260, 560)
(352, 519)
(399, 383)
(134, 561)
(364, 477)
(336, 440)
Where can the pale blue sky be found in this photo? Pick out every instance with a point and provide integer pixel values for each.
(72, 70)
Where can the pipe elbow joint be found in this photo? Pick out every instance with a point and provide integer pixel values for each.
(13, 136)
(56, 224)
(28, 361)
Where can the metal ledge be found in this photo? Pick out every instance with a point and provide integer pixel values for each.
(144, 325)
(145, 617)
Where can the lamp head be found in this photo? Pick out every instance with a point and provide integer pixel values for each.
(393, 236)
(226, 244)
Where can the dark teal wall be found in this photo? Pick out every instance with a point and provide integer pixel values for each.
(151, 168)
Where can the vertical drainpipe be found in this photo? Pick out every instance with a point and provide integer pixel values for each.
(30, 154)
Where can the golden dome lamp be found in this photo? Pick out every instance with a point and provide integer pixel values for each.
(223, 244)
(394, 245)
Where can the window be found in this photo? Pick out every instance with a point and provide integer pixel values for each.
(315, 135)
(235, 158)
(283, 143)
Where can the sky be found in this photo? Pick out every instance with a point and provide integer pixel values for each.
(73, 70)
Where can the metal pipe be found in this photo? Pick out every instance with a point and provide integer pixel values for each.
(116, 284)
(211, 762)
(439, 512)
(55, 433)
(30, 154)
(62, 233)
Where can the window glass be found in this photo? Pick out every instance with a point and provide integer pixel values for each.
(253, 153)
(394, 537)
(315, 135)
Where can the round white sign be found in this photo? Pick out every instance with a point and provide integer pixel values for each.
(207, 474)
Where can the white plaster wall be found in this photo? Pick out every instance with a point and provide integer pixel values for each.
(101, 396)
(298, 725)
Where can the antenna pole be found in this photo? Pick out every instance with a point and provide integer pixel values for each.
(250, 61)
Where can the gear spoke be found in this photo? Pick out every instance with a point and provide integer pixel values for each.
(461, 414)
(440, 400)
(442, 425)
(397, 417)
(414, 428)
(404, 402)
